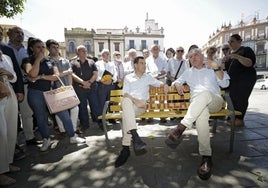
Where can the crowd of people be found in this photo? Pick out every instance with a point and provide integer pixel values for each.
(26, 72)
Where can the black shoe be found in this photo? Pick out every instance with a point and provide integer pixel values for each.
(78, 131)
(122, 158)
(139, 147)
(204, 170)
(33, 141)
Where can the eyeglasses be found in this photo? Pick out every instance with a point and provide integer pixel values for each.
(225, 49)
(178, 51)
(230, 41)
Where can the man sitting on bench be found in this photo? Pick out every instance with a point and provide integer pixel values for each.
(135, 94)
(204, 78)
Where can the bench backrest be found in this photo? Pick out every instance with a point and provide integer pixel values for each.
(158, 100)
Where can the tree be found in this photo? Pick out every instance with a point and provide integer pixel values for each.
(10, 8)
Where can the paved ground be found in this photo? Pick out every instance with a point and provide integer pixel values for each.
(91, 164)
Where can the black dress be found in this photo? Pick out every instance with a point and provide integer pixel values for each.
(242, 79)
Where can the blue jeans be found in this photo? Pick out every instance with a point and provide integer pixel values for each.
(104, 93)
(88, 97)
(38, 105)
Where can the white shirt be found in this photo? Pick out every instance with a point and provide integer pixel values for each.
(6, 63)
(109, 66)
(128, 67)
(155, 65)
(174, 64)
(204, 79)
(139, 87)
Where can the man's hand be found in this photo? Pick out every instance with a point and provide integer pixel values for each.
(20, 97)
(4, 90)
(180, 89)
(86, 85)
(166, 88)
(211, 64)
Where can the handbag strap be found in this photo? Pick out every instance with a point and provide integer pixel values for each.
(178, 70)
(60, 80)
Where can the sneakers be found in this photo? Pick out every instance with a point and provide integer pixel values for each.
(45, 145)
(77, 140)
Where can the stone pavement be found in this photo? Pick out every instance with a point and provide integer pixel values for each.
(91, 164)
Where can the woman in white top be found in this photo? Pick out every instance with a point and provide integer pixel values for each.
(8, 122)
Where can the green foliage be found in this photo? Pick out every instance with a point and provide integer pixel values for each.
(10, 8)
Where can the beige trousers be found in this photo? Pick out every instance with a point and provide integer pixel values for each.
(200, 107)
(130, 111)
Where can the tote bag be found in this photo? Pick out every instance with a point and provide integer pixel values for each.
(60, 99)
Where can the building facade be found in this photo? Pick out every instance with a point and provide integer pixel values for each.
(254, 33)
(75, 37)
(114, 39)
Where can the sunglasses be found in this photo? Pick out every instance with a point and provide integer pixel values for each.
(225, 49)
(180, 51)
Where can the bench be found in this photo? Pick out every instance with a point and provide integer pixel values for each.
(161, 105)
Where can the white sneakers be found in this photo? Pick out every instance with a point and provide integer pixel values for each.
(77, 140)
(45, 145)
(73, 140)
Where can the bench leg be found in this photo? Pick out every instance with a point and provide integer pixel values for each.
(214, 125)
(105, 132)
(232, 133)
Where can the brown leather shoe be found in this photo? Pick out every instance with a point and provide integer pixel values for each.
(204, 170)
(176, 133)
(173, 136)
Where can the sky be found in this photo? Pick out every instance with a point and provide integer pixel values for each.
(185, 22)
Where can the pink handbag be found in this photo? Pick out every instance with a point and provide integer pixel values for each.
(60, 99)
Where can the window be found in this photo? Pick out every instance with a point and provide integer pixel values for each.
(101, 46)
(71, 47)
(250, 44)
(261, 34)
(260, 61)
(131, 44)
(156, 42)
(260, 48)
(226, 38)
(117, 46)
(143, 44)
(88, 46)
